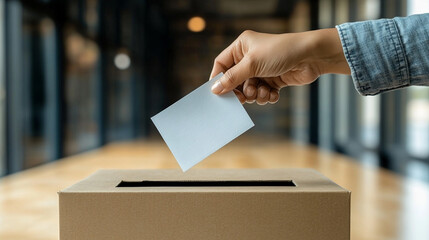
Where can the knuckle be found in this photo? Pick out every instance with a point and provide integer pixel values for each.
(246, 33)
(217, 61)
(252, 63)
(238, 45)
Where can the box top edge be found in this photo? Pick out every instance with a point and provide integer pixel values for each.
(106, 180)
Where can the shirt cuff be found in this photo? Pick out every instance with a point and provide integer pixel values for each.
(375, 54)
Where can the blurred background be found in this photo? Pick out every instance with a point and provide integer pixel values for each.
(77, 74)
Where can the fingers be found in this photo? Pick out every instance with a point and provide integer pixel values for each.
(267, 95)
(263, 94)
(250, 87)
(258, 90)
(233, 77)
(240, 96)
(274, 96)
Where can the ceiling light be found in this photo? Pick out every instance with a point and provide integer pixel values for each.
(122, 61)
(196, 24)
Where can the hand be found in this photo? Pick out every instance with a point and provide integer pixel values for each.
(258, 65)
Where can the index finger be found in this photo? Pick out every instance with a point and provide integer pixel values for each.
(223, 61)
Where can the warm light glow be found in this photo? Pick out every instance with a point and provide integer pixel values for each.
(196, 24)
(122, 61)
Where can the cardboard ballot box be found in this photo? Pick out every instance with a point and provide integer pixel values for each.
(292, 204)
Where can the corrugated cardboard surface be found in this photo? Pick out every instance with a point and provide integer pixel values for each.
(96, 209)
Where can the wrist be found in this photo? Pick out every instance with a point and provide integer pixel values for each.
(327, 52)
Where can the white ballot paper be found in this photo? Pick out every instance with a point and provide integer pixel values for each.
(201, 123)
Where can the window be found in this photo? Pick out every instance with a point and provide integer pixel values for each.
(31, 72)
(417, 118)
(366, 117)
(369, 111)
(82, 56)
(417, 114)
(38, 66)
(370, 121)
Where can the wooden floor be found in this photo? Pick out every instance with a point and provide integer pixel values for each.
(384, 205)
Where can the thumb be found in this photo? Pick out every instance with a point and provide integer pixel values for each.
(233, 77)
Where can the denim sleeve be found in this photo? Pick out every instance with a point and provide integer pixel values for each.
(387, 54)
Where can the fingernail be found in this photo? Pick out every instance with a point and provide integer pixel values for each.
(273, 97)
(261, 103)
(217, 87)
(250, 91)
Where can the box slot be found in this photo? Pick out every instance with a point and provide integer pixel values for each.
(198, 183)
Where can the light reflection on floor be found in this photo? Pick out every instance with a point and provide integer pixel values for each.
(416, 210)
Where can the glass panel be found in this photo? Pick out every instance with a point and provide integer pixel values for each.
(417, 130)
(91, 16)
(325, 13)
(326, 114)
(417, 116)
(119, 116)
(371, 9)
(342, 83)
(326, 86)
(300, 113)
(37, 32)
(369, 112)
(81, 72)
(341, 11)
(417, 7)
(120, 69)
(299, 97)
(370, 121)
(342, 109)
